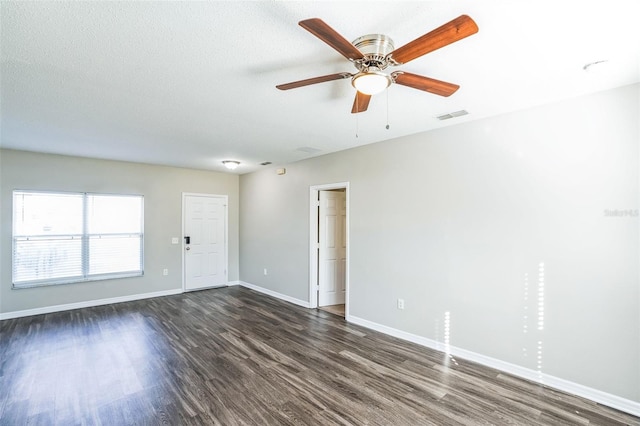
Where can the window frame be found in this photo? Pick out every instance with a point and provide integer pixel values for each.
(85, 238)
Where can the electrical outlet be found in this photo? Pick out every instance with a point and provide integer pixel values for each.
(400, 303)
(265, 271)
(174, 240)
(165, 271)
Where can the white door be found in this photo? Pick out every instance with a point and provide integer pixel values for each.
(333, 248)
(205, 257)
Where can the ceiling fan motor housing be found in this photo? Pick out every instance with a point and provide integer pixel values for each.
(374, 48)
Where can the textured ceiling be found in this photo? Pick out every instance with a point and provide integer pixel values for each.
(193, 83)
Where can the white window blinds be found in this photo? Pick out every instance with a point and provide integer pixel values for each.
(69, 237)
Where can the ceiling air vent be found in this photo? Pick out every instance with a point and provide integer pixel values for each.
(309, 150)
(452, 115)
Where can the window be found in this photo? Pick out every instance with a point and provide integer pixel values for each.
(69, 237)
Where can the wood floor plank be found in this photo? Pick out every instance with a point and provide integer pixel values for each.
(235, 357)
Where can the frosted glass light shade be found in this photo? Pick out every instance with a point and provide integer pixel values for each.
(370, 82)
(230, 164)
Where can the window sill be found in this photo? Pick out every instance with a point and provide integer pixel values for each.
(49, 283)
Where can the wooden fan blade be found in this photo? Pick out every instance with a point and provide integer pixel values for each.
(360, 103)
(461, 27)
(427, 84)
(327, 34)
(314, 80)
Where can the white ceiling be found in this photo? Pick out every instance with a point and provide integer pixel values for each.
(193, 83)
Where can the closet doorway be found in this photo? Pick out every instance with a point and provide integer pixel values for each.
(329, 260)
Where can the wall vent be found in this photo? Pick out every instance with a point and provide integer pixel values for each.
(452, 115)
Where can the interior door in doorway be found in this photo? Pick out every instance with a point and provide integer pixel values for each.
(332, 247)
(205, 257)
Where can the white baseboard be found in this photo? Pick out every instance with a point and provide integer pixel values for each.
(232, 283)
(604, 398)
(275, 294)
(86, 304)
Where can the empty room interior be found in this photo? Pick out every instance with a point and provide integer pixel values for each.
(389, 213)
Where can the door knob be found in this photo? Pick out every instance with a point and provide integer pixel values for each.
(188, 248)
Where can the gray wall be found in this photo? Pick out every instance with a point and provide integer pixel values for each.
(162, 188)
(464, 219)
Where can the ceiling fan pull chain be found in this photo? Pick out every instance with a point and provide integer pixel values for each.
(387, 126)
(356, 114)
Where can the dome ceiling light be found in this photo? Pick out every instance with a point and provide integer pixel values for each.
(231, 164)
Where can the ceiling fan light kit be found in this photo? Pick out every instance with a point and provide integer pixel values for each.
(373, 53)
(370, 81)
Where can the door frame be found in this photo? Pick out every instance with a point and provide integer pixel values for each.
(226, 233)
(313, 245)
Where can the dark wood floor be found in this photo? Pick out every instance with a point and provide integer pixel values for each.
(334, 309)
(232, 356)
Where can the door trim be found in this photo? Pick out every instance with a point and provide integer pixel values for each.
(313, 247)
(226, 234)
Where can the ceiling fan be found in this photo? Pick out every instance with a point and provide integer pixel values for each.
(373, 53)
